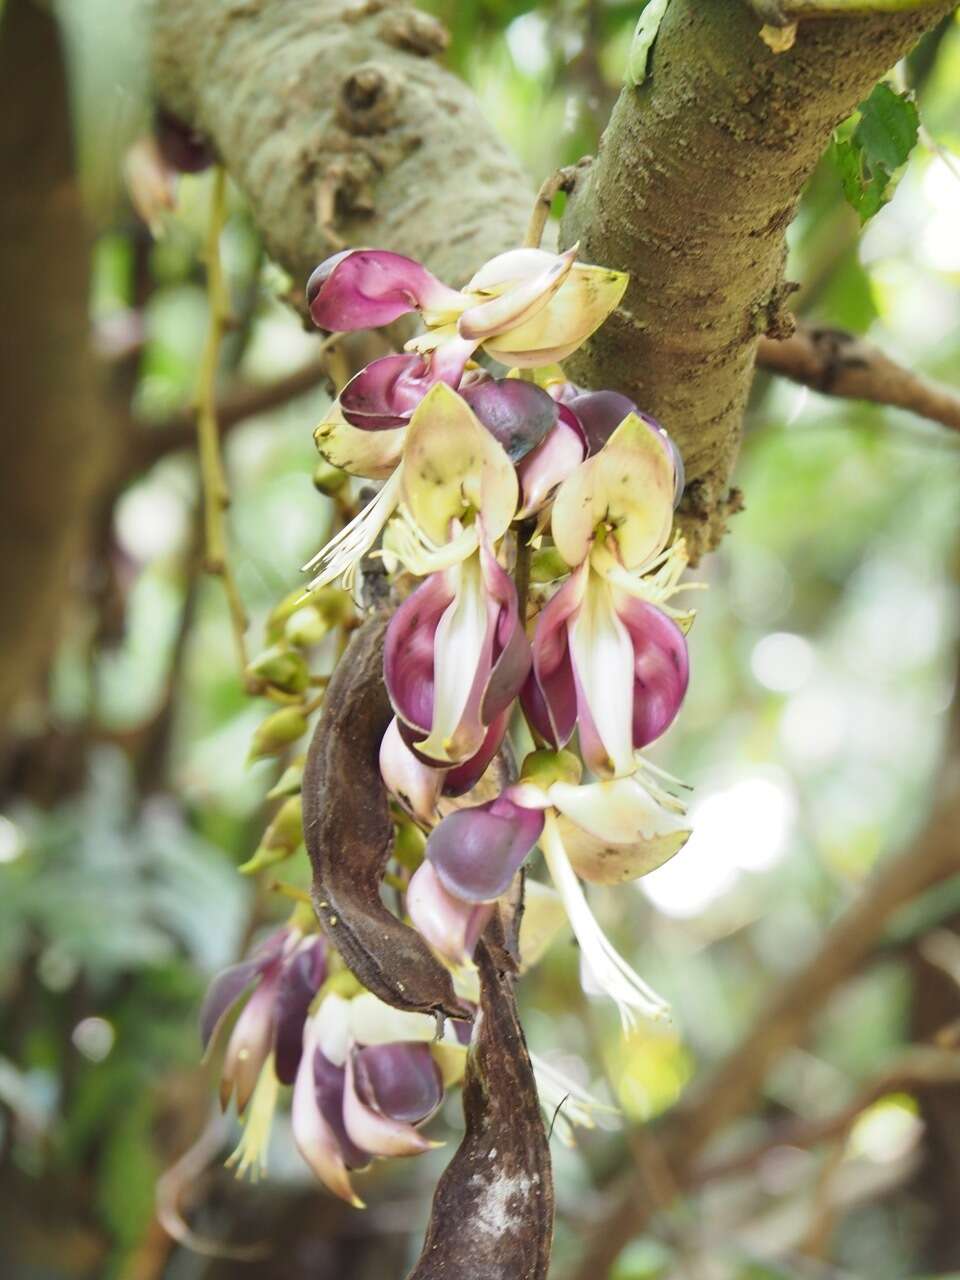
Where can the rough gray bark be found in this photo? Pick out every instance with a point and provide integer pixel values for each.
(696, 182)
(318, 101)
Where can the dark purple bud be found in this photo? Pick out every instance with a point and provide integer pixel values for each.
(302, 977)
(330, 1082)
(600, 413)
(518, 414)
(400, 1080)
(183, 148)
(477, 852)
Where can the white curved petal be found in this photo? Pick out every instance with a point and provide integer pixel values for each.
(463, 647)
(347, 548)
(603, 659)
(612, 973)
(373, 1022)
(617, 830)
(315, 1140)
(580, 306)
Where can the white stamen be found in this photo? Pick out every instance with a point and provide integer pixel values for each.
(612, 973)
(345, 549)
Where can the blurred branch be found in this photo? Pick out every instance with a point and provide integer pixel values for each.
(919, 1067)
(840, 364)
(179, 430)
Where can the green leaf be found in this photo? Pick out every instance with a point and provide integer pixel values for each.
(643, 37)
(879, 144)
(888, 128)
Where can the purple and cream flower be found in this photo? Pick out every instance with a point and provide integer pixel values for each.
(282, 977)
(609, 656)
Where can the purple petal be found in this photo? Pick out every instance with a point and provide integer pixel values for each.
(464, 777)
(408, 655)
(372, 1131)
(329, 1083)
(478, 851)
(230, 984)
(302, 977)
(385, 393)
(183, 147)
(451, 927)
(222, 994)
(511, 655)
(399, 1080)
(368, 288)
(661, 668)
(518, 414)
(549, 696)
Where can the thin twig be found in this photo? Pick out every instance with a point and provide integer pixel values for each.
(216, 496)
(839, 364)
(562, 180)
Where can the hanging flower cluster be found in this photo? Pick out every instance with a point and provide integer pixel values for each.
(479, 471)
(365, 1077)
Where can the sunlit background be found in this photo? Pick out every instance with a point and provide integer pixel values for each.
(824, 664)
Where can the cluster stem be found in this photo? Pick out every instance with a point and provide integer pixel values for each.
(216, 495)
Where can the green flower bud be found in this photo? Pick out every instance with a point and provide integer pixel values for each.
(547, 564)
(277, 731)
(329, 479)
(409, 844)
(544, 768)
(306, 627)
(288, 784)
(282, 837)
(279, 668)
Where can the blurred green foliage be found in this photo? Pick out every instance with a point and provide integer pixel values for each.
(823, 661)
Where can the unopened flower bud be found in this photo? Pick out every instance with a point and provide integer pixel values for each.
(276, 732)
(282, 837)
(543, 768)
(305, 628)
(409, 844)
(288, 784)
(279, 668)
(328, 479)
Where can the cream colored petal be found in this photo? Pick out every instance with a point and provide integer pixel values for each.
(580, 306)
(453, 467)
(621, 499)
(372, 454)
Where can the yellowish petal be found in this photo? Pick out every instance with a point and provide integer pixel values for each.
(620, 501)
(454, 468)
(579, 307)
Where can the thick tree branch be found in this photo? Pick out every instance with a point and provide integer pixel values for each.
(840, 364)
(697, 179)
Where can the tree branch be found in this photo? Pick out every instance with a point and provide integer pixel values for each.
(697, 179)
(839, 364)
